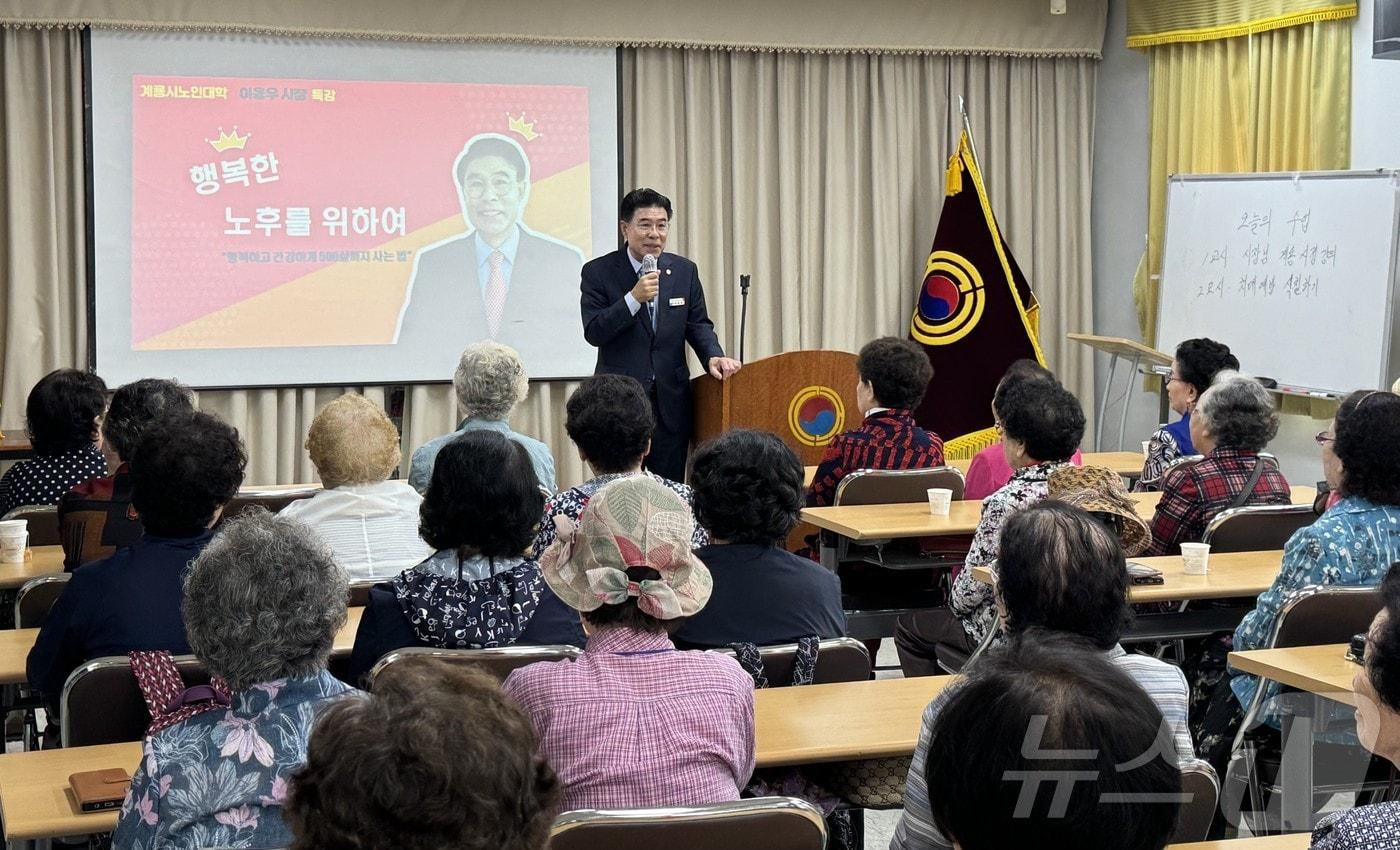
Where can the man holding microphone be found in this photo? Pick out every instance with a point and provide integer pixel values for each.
(640, 307)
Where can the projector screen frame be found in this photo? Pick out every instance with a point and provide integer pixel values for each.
(90, 232)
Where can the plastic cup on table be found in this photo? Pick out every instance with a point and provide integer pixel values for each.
(14, 540)
(940, 499)
(1195, 558)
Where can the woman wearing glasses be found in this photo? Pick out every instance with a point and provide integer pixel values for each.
(1352, 544)
(1196, 364)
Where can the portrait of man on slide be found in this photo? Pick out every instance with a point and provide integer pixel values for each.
(641, 307)
(499, 280)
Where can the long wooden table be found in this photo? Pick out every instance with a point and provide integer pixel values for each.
(16, 643)
(1126, 464)
(1325, 673)
(1293, 841)
(840, 722)
(912, 519)
(39, 561)
(1322, 670)
(1231, 574)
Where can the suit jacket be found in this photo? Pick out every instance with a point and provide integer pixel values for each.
(444, 309)
(626, 342)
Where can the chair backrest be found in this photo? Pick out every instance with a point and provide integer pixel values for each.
(273, 500)
(1256, 528)
(499, 661)
(1156, 483)
(1200, 790)
(359, 594)
(762, 823)
(36, 597)
(896, 486)
(1320, 615)
(43, 523)
(838, 660)
(102, 702)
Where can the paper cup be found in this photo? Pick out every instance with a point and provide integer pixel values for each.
(940, 499)
(14, 539)
(1195, 558)
(1146, 446)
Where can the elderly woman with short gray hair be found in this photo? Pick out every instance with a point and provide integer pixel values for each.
(1234, 420)
(490, 381)
(262, 605)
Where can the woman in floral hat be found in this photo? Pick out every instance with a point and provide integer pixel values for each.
(636, 723)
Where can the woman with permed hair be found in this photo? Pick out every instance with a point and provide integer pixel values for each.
(1041, 424)
(611, 422)
(1353, 544)
(479, 588)
(371, 780)
(262, 604)
(1234, 421)
(96, 517)
(489, 382)
(748, 492)
(369, 520)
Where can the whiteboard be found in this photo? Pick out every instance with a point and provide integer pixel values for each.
(1295, 272)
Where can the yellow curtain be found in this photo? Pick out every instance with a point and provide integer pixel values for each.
(1273, 101)
(1154, 22)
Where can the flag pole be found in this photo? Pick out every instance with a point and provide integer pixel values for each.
(971, 140)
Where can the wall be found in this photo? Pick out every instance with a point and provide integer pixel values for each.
(1119, 218)
(1375, 98)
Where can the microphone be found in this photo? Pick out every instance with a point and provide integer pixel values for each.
(648, 267)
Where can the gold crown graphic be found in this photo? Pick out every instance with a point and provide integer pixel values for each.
(521, 126)
(229, 141)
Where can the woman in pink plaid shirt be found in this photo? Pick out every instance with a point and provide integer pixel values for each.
(636, 723)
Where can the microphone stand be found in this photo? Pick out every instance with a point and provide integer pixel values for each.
(743, 312)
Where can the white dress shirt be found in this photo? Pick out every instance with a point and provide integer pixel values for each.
(372, 528)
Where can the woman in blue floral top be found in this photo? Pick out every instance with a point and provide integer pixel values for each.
(262, 605)
(1352, 544)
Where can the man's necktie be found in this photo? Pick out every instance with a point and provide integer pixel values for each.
(495, 294)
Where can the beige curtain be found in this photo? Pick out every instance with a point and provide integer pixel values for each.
(819, 174)
(1016, 28)
(43, 249)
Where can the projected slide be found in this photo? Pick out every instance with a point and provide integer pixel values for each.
(291, 229)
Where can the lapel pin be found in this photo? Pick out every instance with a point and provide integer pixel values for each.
(668, 271)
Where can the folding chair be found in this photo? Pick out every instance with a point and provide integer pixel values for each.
(32, 603)
(872, 615)
(498, 661)
(763, 823)
(36, 597)
(273, 500)
(43, 523)
(359, 594)
(102, 703)
(1319, 615)
(1256, 528)
(838, 660)
(1156, 483)
(1201, 791)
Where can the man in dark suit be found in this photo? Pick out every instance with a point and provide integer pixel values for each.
(500, 281)
(640, 324)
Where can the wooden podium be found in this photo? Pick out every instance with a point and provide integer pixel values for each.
(805, 397)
